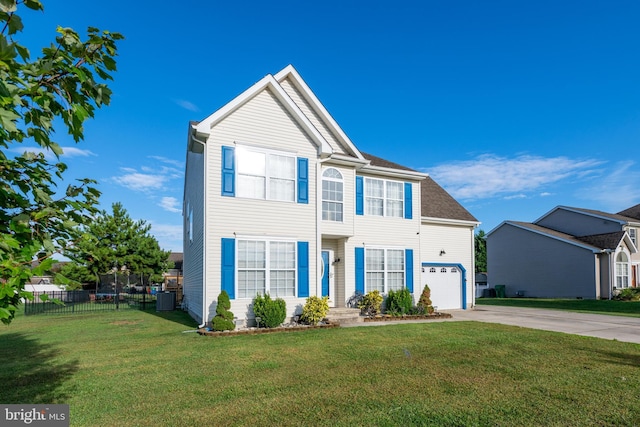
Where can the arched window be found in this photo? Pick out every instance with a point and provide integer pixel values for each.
(332, 195)
(622, 271)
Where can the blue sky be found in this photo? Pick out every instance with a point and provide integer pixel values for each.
(513, 107)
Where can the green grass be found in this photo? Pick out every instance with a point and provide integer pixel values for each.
(617, 308)
(137, 368)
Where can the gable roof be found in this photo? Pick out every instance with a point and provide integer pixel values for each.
(435, 201)
(591, 212)
(547, 232)
(632, 212)
(289, 72)
(268, 82)
(595, 243)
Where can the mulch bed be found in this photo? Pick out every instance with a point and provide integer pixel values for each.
(256, 331)
(387, 318)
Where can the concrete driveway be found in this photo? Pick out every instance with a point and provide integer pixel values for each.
(620, 328)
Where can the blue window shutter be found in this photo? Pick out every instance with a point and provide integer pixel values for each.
(359, 195)
(360, 270)
(303, 269)
(228, 171)
(229, 267)
(303, 180)
(408, 269)
(408, 203)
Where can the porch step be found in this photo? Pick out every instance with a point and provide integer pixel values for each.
(344, 315)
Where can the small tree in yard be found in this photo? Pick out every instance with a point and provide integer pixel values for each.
(62, 87)
(223, 320)
(425, 300)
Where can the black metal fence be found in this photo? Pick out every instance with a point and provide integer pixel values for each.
(79, 301)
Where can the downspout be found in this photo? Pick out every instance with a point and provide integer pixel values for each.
(611, 266)
(205, 315)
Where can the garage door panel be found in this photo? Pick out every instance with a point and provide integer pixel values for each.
(445, 287)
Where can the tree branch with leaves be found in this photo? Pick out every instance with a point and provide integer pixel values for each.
(66, 83)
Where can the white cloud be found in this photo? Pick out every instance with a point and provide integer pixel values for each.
(492, 176)
(186, 105)
(545, 194)
(48, 154)
(170, 204)
(516, 196)
(148, 178)
(169, 236)
(615, 190)
(176, 163)
(140, 181)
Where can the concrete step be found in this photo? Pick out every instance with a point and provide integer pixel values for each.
(344, 315)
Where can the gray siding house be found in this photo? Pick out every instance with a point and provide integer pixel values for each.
(567, 253)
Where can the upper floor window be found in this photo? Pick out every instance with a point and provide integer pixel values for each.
(383, 198)
(633, 236)
(265, 174)
(332, 195)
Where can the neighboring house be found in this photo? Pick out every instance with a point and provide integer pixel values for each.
(278, 200)
(567, 253)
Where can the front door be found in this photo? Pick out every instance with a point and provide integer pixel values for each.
(327, 274)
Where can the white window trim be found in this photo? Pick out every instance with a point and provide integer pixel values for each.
(385, 197)
(386, 271)
(266, 152)
(624, 265)
(340, 180)
(633, 235)
(268, 241)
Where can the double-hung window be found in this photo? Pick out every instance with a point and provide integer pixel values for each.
(266, 266)
(622, 271)
(332, 195)
(384, 269)
(266, 174)
(633, 236)
(384, 198)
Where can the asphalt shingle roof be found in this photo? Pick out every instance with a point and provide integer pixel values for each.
(632, 212)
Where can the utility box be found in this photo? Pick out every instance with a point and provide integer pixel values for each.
(166, 301)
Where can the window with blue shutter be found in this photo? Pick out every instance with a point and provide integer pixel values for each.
(303, 180)
(229, 267)
(408, 204)
(408, 267)
(228, 171)
(303, 269)
(359, 195)
(360, 270)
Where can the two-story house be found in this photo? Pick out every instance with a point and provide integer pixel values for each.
(567, 253)
(279, 200)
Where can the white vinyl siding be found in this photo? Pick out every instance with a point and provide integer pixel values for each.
(383, 198)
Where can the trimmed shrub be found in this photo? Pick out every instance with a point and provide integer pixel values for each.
(271, 312)
(425, 300)
(399, 302)
(315, 309)
(223, 320)
(628, 294)
(371, 303)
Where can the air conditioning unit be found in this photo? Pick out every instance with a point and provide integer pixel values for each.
(166, 301)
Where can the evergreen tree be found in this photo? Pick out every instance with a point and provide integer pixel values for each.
(480, 246)
(223, 320)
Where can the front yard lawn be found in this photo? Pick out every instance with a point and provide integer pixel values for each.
(136, 368)
(617, 308)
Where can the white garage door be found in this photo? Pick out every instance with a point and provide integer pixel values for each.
(445, 284)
